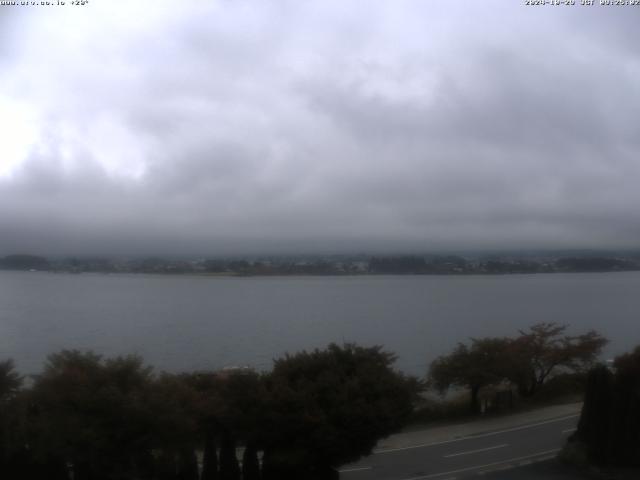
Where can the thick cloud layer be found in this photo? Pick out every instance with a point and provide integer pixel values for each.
(250, 126)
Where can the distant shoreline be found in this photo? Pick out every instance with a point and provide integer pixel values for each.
(331, 265)
(282, 275)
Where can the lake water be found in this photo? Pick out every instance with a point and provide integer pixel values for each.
(188, 322)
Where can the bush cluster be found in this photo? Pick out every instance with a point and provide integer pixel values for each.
(90, 418)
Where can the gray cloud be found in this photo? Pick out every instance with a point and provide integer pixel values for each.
(259, 126)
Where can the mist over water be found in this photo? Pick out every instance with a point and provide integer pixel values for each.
(183, 323)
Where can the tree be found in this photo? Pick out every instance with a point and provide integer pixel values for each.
(609, 427)
(93, 414)
(209, 458)
(240, 414)
(10, 383)
(230, 409)
(544, 349)
(595, 420)
(250, 463)
(626, 412)
(10, 380)
(187, 464)
(329, 407)
(478, 365)
(175, 431)
(229, 467)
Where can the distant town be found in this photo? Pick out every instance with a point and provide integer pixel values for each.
(333, 264)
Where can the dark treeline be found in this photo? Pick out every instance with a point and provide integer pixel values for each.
(84, 417)
(525, 362)
(330, 265)
(459, 265)
(89, 418)
(24, 262)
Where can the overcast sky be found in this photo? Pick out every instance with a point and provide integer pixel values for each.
(252, 126)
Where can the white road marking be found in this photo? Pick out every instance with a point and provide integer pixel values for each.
(496, 469)
(467, 469)
(482, 435)
(569, 430)
(356, 469)
(476, 451)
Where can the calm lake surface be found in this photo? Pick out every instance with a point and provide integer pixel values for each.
(187, 322)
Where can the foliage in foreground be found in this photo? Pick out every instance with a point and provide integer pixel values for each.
(330, 407)
(527, 361)
(86, 417)
(609, 428)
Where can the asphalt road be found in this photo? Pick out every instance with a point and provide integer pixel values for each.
(493, 451)
(552, 469)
